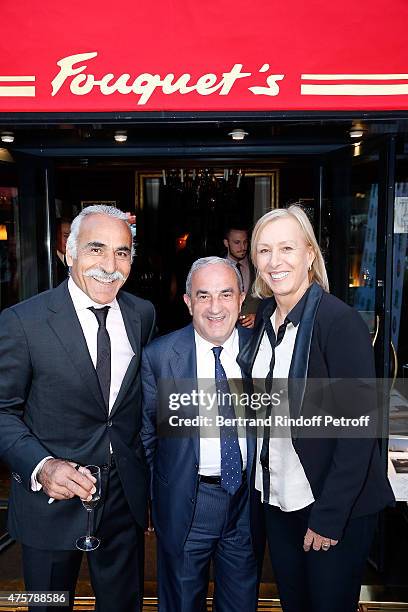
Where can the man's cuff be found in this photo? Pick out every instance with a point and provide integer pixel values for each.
(35, 485)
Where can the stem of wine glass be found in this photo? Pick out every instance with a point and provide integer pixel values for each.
(88, 531)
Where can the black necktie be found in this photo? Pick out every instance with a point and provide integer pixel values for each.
(274, 342)
(231, 462)
(238, 266)
(103, 359)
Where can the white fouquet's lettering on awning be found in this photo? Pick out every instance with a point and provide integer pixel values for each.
(74, 70)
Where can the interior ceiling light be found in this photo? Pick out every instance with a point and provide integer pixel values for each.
(120, 136)
(7, 137)
(238, 134)
(356, 131)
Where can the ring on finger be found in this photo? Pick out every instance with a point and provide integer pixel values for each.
(326, 545)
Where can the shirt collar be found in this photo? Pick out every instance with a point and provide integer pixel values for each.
(294, 316)
(229, 346)
(242, 262)
(82, 301)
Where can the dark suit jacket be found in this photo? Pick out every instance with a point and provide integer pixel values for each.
(62, 271)
(250, 304)
(175, 460)
(345, 475)
(51, 404)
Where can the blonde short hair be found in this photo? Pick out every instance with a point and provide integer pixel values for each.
(318, 269)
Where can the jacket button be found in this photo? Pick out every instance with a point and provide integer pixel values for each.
(109, 423)
(196, 466)
(192, 500)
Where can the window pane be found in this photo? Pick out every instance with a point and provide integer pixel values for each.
(9, 247)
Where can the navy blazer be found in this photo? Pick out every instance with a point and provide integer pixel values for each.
(175, 460)
(346, 475)
(51, 404)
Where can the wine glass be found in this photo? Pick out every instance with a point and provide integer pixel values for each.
(90, 542)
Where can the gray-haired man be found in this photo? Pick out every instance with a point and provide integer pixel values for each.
(204, 507)
(70, 397)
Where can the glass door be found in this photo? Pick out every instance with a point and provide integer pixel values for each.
(399, 322)
(357, 231)
(357, 236)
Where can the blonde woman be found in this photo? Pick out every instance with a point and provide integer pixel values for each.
(320, 495)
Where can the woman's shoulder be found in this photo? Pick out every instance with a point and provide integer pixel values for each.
(333, 311)
(344, 338)
(330, 304)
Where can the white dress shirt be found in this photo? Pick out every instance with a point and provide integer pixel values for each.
(289, 487)
(210, 449)
(121, 350)
(61, 256)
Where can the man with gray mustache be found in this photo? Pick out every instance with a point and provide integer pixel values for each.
(70, 397)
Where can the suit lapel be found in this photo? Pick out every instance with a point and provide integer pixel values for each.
(245, 337)
(249, 349)
(184, 364)
(184, 369)
(131, 319)
(127, 381)
(301, 352)
(65, 324)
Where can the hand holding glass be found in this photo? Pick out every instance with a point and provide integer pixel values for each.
(90, 542)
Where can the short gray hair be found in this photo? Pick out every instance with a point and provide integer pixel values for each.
(209, 261)
(97, 209)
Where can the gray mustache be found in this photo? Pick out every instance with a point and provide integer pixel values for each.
(105, 276)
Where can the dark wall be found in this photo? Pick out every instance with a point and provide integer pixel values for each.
(74, 185)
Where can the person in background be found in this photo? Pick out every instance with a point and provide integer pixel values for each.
(70, 396)
(236, 242)
(203, 505)
(63, 229)
(321, 495)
